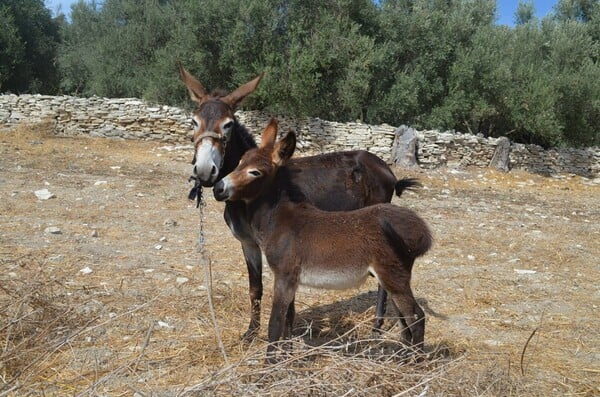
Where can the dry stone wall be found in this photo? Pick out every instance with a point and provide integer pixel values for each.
(132, 118)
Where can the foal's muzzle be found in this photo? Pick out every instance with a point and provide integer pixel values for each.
(220, 190)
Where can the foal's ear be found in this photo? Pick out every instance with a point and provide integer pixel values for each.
(241, 92)
(284, 148)
(267, 139)
(196, 90)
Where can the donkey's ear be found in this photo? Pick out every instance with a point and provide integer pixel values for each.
(234, 98)
(196, 90)
(267, 139)
(284, 148)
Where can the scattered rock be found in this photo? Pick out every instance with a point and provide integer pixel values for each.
(163, 324)
(176, 147)
(86, 270)
(44, 194)
(95, 233)
(182, 280)
(170, 222)
(158, 247)
(52, 230)
(91, 308)
(525, 271)
(98, 183)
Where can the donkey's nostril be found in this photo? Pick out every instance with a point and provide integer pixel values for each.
(218, 190)
(214, 170)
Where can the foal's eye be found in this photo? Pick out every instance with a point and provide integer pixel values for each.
(194, 124)
(228, 125)
(254, 173)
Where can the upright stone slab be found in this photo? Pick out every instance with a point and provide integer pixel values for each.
(404, 148)
(501, 158)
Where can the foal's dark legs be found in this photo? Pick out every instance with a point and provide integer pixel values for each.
(253, 257)
(380, 308)
(282, 314)
(411, 314)
(412, 318)
(289, 320)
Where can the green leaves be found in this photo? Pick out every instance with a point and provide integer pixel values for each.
(427, 63)
(28, 41)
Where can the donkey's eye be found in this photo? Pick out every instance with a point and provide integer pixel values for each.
(228, 125)
(254, 173)
(194, 124)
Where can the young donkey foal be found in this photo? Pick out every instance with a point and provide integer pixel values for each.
(336, 250)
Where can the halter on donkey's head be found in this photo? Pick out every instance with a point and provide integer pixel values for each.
(213, 123)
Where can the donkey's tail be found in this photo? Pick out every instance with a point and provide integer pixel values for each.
(420, 236)
(406, 184)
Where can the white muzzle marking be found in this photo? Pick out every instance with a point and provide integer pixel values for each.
(208, 162)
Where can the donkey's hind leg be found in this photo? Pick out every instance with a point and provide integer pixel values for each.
(289, 320)
(412, 317)
(380, 309)
(405, 332)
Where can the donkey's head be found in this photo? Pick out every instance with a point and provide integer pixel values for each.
(213, 123)
(257, 168)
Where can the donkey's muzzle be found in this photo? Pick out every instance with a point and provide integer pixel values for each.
(220, 192)
(206, 164)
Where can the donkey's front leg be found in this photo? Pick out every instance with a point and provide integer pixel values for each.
(279, 322)
(253, 257)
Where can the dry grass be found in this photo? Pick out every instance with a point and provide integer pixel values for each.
(510, 288)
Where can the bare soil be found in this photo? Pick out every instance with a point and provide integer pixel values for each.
(115, 302)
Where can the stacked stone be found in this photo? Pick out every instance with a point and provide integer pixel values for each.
(132, 118)
(534, 158)
(28, 108)
(454, 149)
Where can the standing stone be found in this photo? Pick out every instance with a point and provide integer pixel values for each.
(501, 158)
(404, 149)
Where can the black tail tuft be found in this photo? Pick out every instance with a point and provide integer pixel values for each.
(406, 184)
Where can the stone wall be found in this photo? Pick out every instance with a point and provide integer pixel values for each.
(135, 119)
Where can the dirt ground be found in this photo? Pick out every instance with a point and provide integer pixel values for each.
(113, 300)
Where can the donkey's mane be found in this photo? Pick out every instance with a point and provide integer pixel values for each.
(245, 136)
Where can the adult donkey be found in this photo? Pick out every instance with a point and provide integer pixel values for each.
(339, 181)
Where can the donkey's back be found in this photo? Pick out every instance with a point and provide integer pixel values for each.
(338, 250)
(344, 181)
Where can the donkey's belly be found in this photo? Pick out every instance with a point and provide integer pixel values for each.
(342, 278)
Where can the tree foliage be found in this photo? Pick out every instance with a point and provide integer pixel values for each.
(28, 42)
(428, 63)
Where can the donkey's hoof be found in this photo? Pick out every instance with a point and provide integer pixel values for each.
(271, 360)
(249, 335)
(376, 332)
